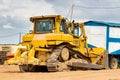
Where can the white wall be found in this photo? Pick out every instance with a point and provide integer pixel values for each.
(114, 32)
(113, 47)
(96, 35)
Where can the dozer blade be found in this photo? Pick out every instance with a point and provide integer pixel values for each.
(84, 65)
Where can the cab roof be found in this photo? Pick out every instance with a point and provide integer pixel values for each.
(45, 16)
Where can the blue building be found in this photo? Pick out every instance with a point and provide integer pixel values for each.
(104, 34)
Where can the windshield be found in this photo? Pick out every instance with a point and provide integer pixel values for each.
(44, 25)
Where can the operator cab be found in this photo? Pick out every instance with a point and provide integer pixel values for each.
(49, 24)
(53, 24)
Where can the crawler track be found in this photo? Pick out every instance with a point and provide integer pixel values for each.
(52, 63)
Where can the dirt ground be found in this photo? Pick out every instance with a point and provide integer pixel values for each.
(12, 73)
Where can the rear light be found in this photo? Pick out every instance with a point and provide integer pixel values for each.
(9, 55)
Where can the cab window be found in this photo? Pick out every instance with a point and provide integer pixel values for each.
(77, 31)
(44, 25)
(63, 26)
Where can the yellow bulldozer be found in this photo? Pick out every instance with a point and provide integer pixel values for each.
(55, 44)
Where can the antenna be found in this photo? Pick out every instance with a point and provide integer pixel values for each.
(72, 12)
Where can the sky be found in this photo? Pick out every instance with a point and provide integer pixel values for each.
(15, 14)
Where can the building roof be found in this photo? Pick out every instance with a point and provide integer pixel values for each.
(112, 24)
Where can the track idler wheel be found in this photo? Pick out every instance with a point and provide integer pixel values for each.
(64, 55)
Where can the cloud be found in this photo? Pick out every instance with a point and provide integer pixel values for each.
(81, 13)
(15, 14)
(18, 12)
(25, 8)
(8, 26)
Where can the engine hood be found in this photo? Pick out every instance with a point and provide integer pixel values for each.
(43, 39)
